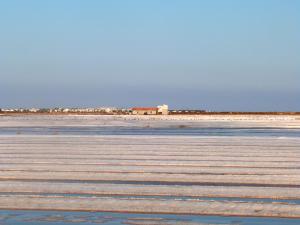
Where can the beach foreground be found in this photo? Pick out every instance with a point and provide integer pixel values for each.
(217, 175)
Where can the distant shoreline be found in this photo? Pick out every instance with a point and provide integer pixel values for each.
(171, 114)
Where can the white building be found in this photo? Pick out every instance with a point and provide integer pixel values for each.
(163, 109)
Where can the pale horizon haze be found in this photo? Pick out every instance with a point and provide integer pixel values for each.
(217, 55)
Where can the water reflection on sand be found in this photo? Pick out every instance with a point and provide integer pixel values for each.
(94, 218)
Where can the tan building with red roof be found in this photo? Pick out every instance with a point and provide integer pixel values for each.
(159, 110)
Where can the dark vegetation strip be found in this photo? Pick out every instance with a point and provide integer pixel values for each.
(160, 197)
(160, 160)
(144, 172)
(154, 182)
(210, 152)
(117, 164)
(187, 145)
(145, 154)
(171, 113)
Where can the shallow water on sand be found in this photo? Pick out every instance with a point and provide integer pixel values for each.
(185, 131)
(93, 218)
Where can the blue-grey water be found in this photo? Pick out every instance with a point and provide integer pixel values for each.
(93, 218)
(190, 131)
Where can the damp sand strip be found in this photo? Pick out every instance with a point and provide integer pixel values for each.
(190, 207)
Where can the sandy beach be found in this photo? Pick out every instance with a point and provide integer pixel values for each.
(166, 174)
(279, 121)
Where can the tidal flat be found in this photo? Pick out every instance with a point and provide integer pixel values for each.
(149, 170)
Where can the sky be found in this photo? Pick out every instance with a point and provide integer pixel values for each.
(220, 55)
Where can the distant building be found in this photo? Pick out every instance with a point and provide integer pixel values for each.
(187, 111)
(163, 109)
(34, 110)
(144, 111)
(159, 110)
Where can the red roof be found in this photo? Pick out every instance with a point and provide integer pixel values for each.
(144, 108)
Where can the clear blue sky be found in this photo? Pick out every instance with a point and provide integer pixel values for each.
(212, 54)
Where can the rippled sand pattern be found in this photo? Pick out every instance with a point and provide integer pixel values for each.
(231, 176)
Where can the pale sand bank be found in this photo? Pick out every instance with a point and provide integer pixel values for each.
(107, 204)
(287, 121)
(136, 166)
(40, 187)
